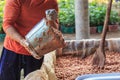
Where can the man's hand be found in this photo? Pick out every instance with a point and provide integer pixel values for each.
(13, 34)
(29, 48)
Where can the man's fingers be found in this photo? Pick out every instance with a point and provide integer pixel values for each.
(24, 43)
(35, 55)
(29, 48)
(33, 52)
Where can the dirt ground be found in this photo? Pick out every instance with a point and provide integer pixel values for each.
(70, 67)
(72, 37)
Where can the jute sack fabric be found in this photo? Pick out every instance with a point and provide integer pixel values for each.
(47, 71)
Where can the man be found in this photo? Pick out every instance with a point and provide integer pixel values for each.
(20, 16)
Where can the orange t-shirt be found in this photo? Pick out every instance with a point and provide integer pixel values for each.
(23, 15)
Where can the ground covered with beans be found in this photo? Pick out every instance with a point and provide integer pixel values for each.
(69, 67)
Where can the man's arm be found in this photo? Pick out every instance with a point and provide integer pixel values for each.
(13, 34)
(11, 13)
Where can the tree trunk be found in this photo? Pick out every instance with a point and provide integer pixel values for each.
(82, 19)
(99, 58)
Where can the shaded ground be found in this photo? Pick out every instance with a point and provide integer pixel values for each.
(95, 36)
(1, 46)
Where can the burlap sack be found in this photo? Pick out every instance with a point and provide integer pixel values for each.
(47, 70)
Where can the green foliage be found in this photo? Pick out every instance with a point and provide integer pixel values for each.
(66, 13)
(114, 18)
(1, 14)
(98, 12)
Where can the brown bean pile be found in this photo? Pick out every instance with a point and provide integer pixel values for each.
(69, 67)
